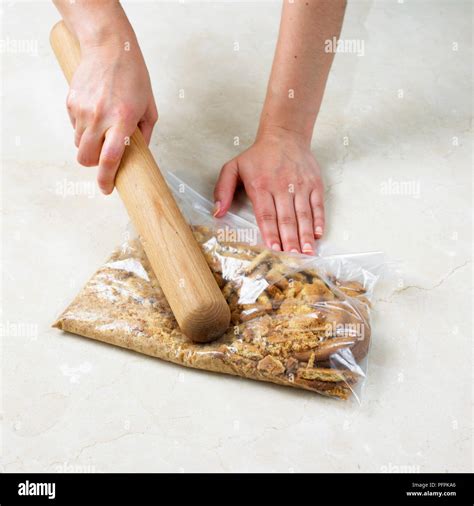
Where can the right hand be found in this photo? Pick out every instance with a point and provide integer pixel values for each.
(110, 95)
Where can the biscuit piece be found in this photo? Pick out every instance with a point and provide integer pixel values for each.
(297, 323)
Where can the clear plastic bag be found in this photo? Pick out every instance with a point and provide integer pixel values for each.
(296, 320)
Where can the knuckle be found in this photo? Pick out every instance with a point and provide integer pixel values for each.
(296, 182)
(289, 187)
(225, 167)
(96, 112)
(70, 100)
(109, 159)
(318, 209)
(125, 113)
(85, 113)
(258, 185)
(85, 160)
(284, 188)
(317, 196)
(299, 181)
(113, 151)
(265, 216)
(287, 220)
(303, 215)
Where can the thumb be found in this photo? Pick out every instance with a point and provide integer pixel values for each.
(225, 188)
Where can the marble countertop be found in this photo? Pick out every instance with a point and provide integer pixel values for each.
(394, 140)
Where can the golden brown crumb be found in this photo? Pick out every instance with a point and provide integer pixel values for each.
(296, 322)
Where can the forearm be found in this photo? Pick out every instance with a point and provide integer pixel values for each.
(96, 22)
(301, 65)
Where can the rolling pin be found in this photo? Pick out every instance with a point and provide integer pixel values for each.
(175, 257)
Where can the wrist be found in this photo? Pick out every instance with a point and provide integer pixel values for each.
(279, 132)
(103, 37)
(102, 24)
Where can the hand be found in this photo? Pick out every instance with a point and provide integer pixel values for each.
(110, 95)
(283, 181)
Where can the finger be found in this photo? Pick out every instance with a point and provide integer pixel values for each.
(317, 207)
(146, 129)
(110, 156)
(148, 122)
(304, 217)
(70, 107)
(287, 224)
(265, 213)
(90, 147)
(78, 132)
(225, 188)
(72, 118)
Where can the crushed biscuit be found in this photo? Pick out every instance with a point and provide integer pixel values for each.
(295, 323)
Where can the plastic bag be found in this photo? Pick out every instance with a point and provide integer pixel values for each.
(296, 320)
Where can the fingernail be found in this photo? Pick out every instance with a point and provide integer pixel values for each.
(217, 208)
(276, 247)
(294, 250)
(307, 248)
(319, 231)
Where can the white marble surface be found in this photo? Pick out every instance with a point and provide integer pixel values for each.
(71, 404)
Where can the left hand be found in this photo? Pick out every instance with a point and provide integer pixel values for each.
(283, 181)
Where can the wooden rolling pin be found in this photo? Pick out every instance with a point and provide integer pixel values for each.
(176, 258)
